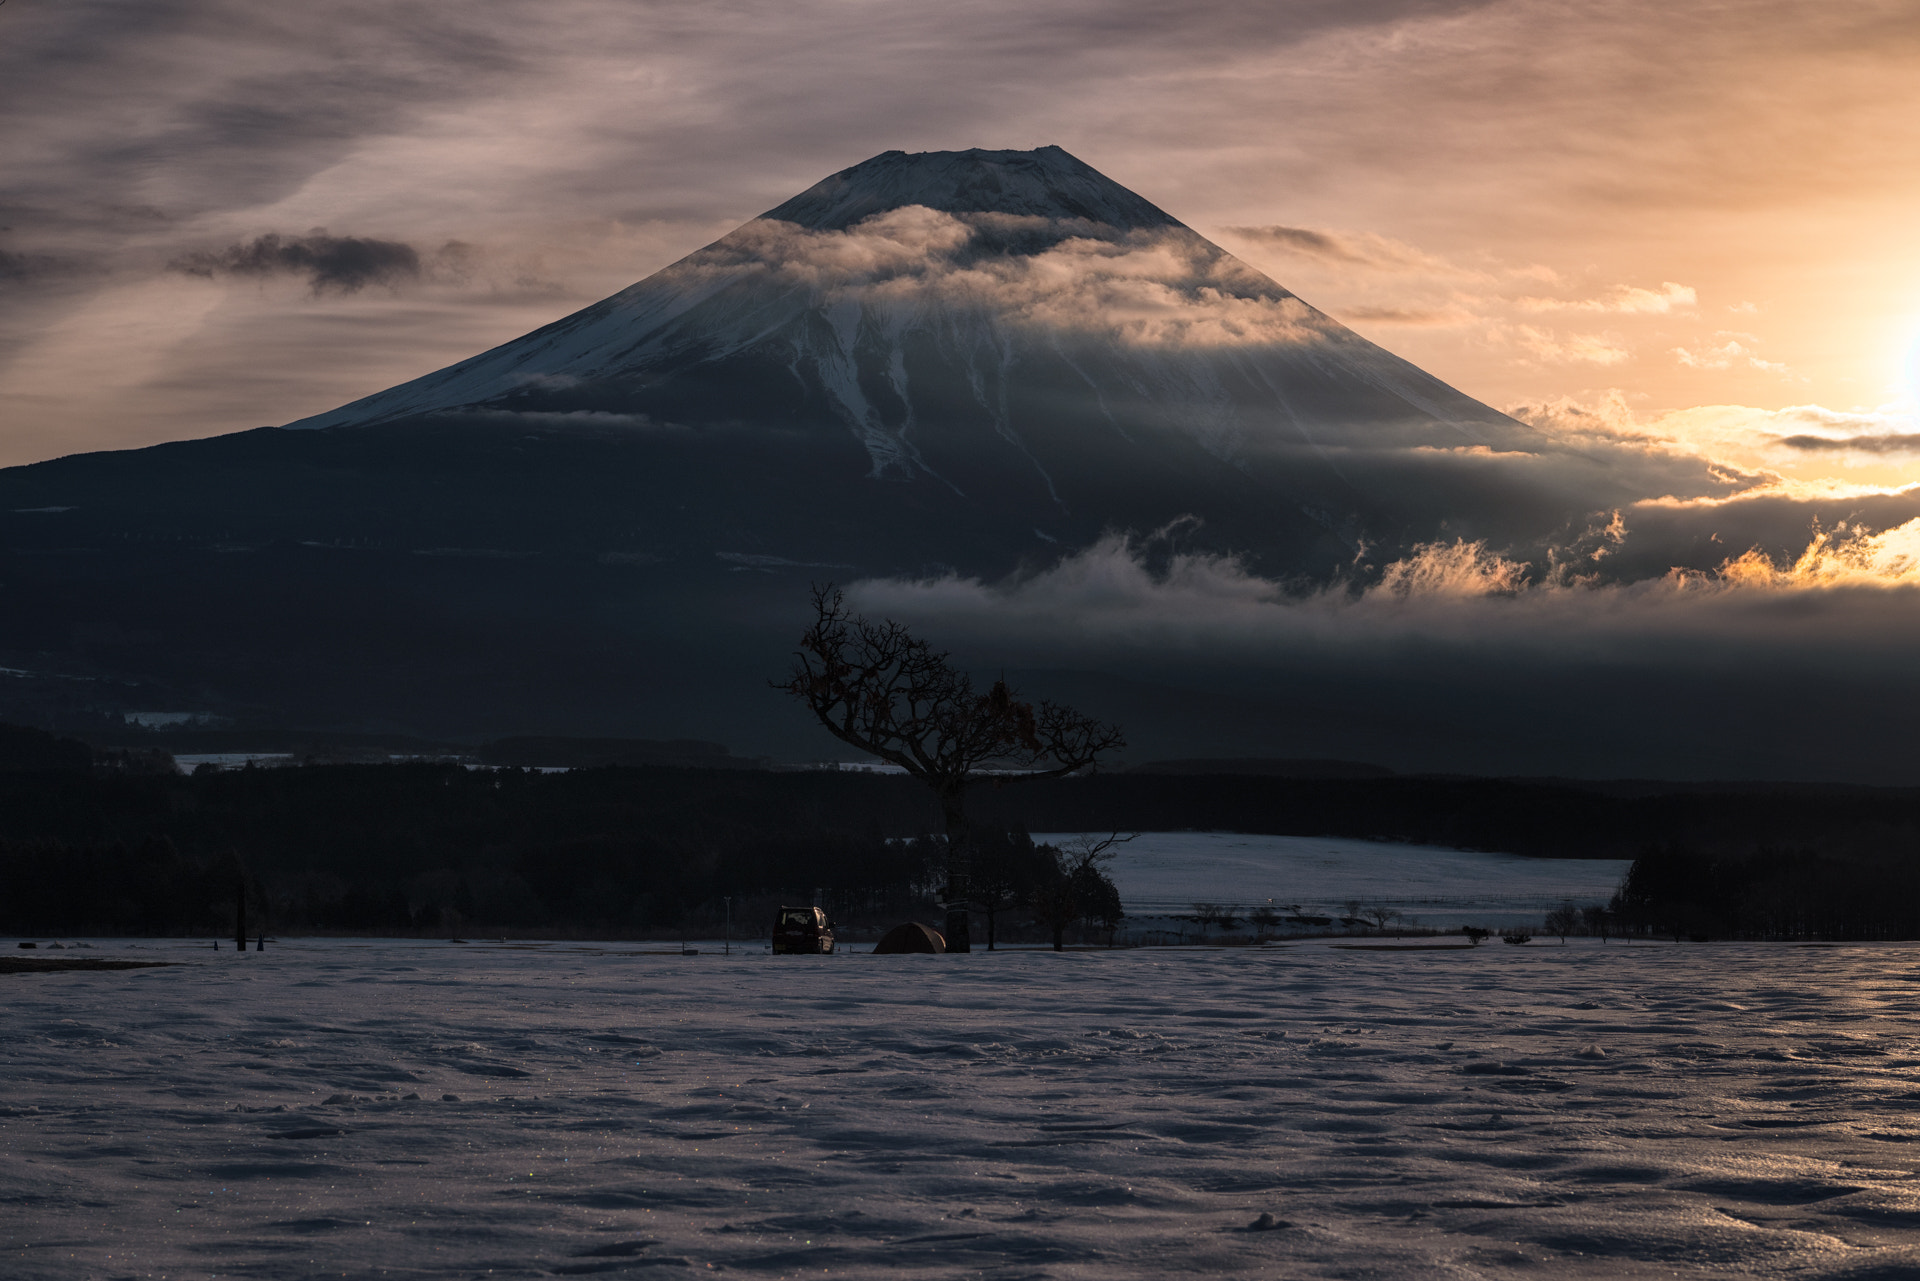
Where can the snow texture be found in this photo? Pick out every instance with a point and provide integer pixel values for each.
(1167, 872)
(412, 1109)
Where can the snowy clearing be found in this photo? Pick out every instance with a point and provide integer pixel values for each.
(1159, 873)
(1722, 1109)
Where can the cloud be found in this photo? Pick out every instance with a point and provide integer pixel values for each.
(343, 263)
(1421, 316)
(1456, 658)
(1118, 597)
(1318, 244)
(1627, 300)
(1735, 435)
(1593, 349)
(19, 267)
(1165, 288)
(573, 419)
(1357, 249)
(1734, 351)
(1903, 443)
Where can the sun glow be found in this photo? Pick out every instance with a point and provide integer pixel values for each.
(1906, 377)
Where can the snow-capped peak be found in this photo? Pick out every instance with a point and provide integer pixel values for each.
(1045, 182)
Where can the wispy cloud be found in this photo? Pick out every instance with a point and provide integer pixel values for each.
(1733, 349)
(1626, 300)
(345, 263)
(1356, 249)
(1592, 349)
(1903, 443)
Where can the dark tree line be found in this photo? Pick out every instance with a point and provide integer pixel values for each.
(144, 889)
(1054, 887)
(380, 847)
(435, 847)
(611, 886)
(1770, 893)
(431, 847)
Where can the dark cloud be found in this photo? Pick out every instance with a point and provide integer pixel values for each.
(18, 267)
(1891, 444)
(1399, 315)
(217, 103)
(345, 263)
(1303, 240)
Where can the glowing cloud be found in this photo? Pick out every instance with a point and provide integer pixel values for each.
(1142, 287)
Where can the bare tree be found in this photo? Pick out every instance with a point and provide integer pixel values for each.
(1563, 920)
(1264, 920)
(997, 880)
(1597, 920)
(1379, 915)
(879, 688)
(1055, 905)
(1225, 915)
(1081, 862)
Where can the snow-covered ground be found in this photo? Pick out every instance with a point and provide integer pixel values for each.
(356, 1108)
(1158, 873)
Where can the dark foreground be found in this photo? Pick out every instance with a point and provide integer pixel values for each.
(628, 852)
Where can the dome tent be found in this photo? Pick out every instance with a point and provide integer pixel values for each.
(911, 937)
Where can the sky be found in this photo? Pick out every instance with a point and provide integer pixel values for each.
(1687, 219)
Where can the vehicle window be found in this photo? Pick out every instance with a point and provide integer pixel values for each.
(796, 918)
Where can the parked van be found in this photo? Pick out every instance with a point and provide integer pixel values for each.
(802, 930)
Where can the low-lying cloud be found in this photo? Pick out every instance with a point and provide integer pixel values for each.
(1128, 591)
(1456, 657)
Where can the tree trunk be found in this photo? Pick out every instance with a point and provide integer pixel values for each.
(989, 907)
(959, 864)
(1059, 938)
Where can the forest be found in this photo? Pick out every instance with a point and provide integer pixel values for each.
(119, 843)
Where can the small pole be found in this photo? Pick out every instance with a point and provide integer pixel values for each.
(728, 949)
(240, 914)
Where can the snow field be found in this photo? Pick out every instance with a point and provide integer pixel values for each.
(1607, 1111)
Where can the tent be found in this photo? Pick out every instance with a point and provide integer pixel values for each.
(911, 937)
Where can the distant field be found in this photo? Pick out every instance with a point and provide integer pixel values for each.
(1167, 872)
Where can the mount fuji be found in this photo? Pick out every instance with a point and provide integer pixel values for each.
(952, 362)
(1010, 332)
